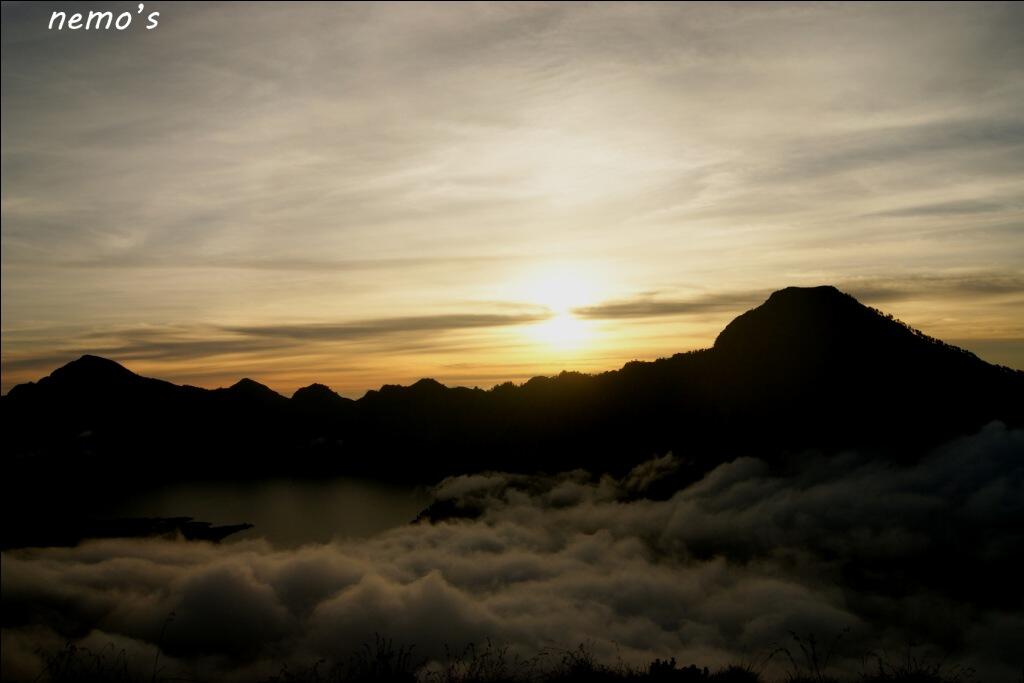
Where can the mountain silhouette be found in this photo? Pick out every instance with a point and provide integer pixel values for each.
(811, 369)
(253, 394)
(319, 399)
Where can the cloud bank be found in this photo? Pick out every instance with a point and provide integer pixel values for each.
(718, 573)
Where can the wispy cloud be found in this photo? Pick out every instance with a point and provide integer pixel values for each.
(963, 207)
(937, 287)
(869, 289)
(651, 307)
(206, 343)
(387, 326)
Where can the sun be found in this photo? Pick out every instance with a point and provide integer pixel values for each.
(563, 332)
(562, 290)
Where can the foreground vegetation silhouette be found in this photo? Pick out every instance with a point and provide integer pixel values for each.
(384, 661)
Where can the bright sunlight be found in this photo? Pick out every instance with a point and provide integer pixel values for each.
(561, 289)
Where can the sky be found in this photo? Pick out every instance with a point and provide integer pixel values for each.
(359, 194)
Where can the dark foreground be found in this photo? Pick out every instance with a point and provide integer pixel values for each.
(804, 660)
(822, 469)
(68, 532)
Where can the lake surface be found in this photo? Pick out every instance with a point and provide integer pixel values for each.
(286, 512)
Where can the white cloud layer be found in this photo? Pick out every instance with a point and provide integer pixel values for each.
(721, 572)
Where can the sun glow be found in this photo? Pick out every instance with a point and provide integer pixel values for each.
(563, 332)
(561, 290)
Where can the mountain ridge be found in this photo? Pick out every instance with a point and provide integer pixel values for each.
(246, 384)
(810, 368)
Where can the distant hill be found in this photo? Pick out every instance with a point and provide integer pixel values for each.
(811, 368)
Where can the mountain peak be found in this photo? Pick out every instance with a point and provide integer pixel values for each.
(315, 390)
(92, 368)
(797, 319)
(318, 398)
(246, 384)
(250, 387)
(90, 361)
(820, 293)
(802, 340)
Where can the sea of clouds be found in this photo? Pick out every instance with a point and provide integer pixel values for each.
(887, 559)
